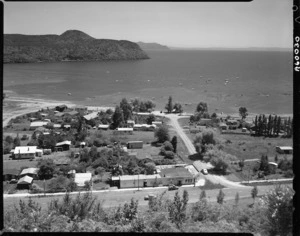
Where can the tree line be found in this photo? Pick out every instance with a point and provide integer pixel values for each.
(272, 126)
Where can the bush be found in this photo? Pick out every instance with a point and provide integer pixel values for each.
(169, 154)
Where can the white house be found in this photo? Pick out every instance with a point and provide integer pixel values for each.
(26, 152)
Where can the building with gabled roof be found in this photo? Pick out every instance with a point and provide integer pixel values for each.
(91, 116)
(25, 182)
(26, 152)
(32, 172)
(36, 124)
(63, 146)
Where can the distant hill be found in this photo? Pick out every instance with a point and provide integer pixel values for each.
(152, 46)
(71, 45)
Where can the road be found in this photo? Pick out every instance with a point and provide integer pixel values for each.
(191, 149)
(114, 198)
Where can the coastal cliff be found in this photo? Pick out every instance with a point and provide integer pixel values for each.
(71, 45)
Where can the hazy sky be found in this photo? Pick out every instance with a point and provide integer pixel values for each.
(261, 23)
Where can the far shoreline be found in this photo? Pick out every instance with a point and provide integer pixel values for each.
(14, 106)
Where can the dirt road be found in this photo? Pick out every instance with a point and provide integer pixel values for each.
(191, 149)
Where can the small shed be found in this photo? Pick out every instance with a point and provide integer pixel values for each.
(25, 182)
(63, 146)
(56, 126)
(103, 127)
(284, 149)
(82, 144)
(223, 126)
(244, 130)
(135, 144)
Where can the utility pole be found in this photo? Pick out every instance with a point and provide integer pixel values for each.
(44, 187)
(138, 182)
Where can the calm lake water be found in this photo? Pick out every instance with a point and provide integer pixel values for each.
(257, 77)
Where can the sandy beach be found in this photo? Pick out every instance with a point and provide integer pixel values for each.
(16, 106)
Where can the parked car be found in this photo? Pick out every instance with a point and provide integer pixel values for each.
(204, 171)
(172, 187)
(150, 196)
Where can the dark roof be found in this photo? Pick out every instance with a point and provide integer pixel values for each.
(11, 172)
(176, 172)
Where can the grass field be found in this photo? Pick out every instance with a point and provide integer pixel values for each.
(17, 164)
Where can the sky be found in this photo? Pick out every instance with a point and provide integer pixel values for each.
(260, 23)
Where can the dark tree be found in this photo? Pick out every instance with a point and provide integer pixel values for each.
(126, 108)
(243, 112)
(178, 108)
(174, 143)
(202, 107)
(46, 169)
(162, 134)
(169, 105)
(254, 193)
(150, 119)
(220, 197)
(117, 117)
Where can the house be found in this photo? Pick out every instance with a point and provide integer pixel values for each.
(47, 120)
(125, 130)
(37, 124)
(91, 116)
(176, 175)
(135, 144)
(63, 146)
(136, 181)
(9, 174)
(80, 178)
(223, 126)
(284, 149)
(103, 127)
(32, 172)
(61, 108)
(32, 119)
(26, 152)
(43, 114)
(130, 123)
(25, 182)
